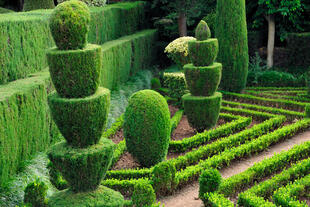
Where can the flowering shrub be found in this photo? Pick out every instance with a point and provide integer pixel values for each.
(89, 2)
(177, 50)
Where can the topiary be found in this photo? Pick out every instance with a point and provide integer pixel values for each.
(143, 195)
(69, 24)
(163, 178)
(35, 194)
(38, 4)
(231, 31)
(209, 181)
(202, 31)
(147, 127)
(56, 178)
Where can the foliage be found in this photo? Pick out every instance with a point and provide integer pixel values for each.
(203, 53)
(203, 81)
(38, 4)
(83, 168)
(69, 24)
(307, 111)
(298, 45)
(177, 85)
(177, 50)
(143, 195)
(163, 178)
(231, 31)
(209, 181)
(103, 196)
(210, 19)
(202, 111)
(147, 127)
(81, 120)
(56, 177)
(35, 194)
(89, 2)
(202, 31)
(155, 84)
(75, 73)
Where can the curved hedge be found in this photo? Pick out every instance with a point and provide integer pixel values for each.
(231, 32)
(147, 127)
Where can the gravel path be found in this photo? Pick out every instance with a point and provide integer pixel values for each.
(187, 197)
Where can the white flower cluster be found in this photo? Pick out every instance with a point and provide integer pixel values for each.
(89, 2)
(179, 45)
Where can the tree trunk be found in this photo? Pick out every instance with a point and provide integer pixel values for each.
(271, 39)
(182, 24)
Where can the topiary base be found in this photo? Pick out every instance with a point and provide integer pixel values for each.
(202, 112)
(84, 168)
(203, 81)
(81, 121)
(102, 197)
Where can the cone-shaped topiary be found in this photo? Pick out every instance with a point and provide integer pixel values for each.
(202, 31)
(82, 168)
(81, 121)
(147, 127)
(203, 81)
(202, 111)
(231, 31)
(38, 4)
(69, 24)
(80, 78)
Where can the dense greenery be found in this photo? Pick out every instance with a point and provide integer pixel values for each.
(147, 127)
(35, 194)
(209, 181)
(231, 32)
(143, 195)
(38, 4)
(69, 24)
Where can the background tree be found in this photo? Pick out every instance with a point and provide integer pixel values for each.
(273, 11)
(231, 31)
(38, 4)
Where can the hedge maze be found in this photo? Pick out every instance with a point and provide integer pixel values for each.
(253, 122)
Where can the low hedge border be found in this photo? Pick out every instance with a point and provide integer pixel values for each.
(175, 120)
(297, 97)
(256, 115)
(116, 126)
(267, 167)
(251, 200)
(249, 148)
(286, 104)
(275, 88)
(289, 114)
(217, 200)
(286, 196)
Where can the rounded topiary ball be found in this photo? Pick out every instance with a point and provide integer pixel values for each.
(209, 181)
(69, 24)
(147, 127)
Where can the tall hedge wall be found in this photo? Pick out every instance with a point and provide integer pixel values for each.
(25, 36)
(26, 126)
(299, 47)
(231, 31)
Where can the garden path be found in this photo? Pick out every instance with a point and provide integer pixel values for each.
(187, 196)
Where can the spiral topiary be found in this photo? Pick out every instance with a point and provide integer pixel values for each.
(69, 24)
(147, 127)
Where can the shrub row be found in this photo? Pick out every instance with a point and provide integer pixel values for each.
(285, 89)
(289, 114)
(244, 150)
(217, 200)
(296, 97)
(286, 196)
(26, 35)
(26, 126)
(175, 120)
(286, 104)
(257, 115)
(198, 139)
(267, 167)
(116, 126)
(251, 200)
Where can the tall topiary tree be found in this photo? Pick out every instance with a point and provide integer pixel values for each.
(202, 104)
(231, 32)
(80, 109)
(38, 4)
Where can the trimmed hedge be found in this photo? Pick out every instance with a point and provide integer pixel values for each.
(75, 73)
(26, 125)
(203, 53)
(83, 168)
(81, 120)
(231, 32)
(298, 44)
(203, 80)
(147, 127)
(202, 111)
(103, 197)
(24, 36)
(38, 4)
